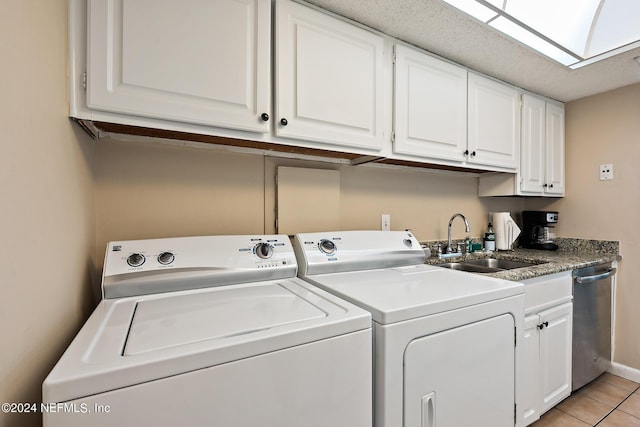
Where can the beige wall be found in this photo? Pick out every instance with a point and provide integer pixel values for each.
(147, 190)
(150, 190)
(46, 213)
(606, 129)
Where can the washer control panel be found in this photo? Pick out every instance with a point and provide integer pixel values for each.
(221, 259)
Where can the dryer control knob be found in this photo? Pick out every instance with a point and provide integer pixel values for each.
(264, 250)
(327, 246)
(135, 260)
(166, 258)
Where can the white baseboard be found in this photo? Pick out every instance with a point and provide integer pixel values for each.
(624, 371)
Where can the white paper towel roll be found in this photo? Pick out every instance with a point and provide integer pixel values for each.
(506, 230)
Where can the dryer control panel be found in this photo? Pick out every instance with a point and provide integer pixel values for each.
(331, 252)
(138, 267)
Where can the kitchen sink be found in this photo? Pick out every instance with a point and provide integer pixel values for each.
(463, 266)
(502, 264)
(487, 265)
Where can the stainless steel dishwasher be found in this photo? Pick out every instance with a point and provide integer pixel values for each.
(591, 323)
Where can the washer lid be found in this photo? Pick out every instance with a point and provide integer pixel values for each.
(170, 322)
(133, 340)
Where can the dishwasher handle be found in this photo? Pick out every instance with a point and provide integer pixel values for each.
(588, 279)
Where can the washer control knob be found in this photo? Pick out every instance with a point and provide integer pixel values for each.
(408, 243)
(264, 250)
(327, 246)
(166, 258)
(135, 260)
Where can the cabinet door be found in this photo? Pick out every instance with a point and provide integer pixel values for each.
(430, 108)
(532, 159)
(555, 149)
(463, 376)
(531, 365)
(494, 123)
(329, 79)
(191, 61)
(555, 354)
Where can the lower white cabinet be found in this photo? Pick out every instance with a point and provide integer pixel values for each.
(547, 344)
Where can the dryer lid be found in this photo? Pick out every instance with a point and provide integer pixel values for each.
(174, 321)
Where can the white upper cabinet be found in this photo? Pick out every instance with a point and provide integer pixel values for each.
(193, 61)
(329, 79)
(542, 168)
(542, 154)
(494, 123)
(430, 106)
(555, 149)
(202, 69)
(532, 165)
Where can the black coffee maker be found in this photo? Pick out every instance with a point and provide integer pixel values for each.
(538, 230)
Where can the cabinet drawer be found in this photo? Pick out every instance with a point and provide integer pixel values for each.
(546, 291)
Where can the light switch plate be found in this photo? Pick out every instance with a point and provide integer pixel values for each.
(385, 222)
(606, 172)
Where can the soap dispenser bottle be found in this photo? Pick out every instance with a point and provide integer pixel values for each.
(490, 239)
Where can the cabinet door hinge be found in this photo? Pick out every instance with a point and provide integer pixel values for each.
(393, 55)
(393, 137)
(515, 414)
(84, 81)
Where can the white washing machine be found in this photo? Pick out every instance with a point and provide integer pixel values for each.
(445, 350)
(213, 331)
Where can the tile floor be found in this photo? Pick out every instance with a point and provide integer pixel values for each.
(609, 401)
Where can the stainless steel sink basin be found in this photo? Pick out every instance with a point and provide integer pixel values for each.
(486, 265)
(502, 264)
(463, 266)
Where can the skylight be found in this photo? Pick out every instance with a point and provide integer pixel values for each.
(574, 33)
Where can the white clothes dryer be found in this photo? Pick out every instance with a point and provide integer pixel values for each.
(213, 331)
(445, 350)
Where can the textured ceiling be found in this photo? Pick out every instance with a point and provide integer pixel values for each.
(445, 31)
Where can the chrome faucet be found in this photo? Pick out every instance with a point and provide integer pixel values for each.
(466, 229)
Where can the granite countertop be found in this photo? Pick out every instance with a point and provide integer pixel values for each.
(571, 254)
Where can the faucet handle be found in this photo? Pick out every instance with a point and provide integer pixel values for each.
(467, 245)
(438, 249)
(460, 248)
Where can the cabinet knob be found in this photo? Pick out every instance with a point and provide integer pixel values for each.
(545, 185)
(543, 325)
(284, 122)
(473, 154)
(550, 185)
(466, 152)
(264, 117)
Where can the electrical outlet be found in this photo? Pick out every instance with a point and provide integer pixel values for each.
(385, 222)
(606, 172)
